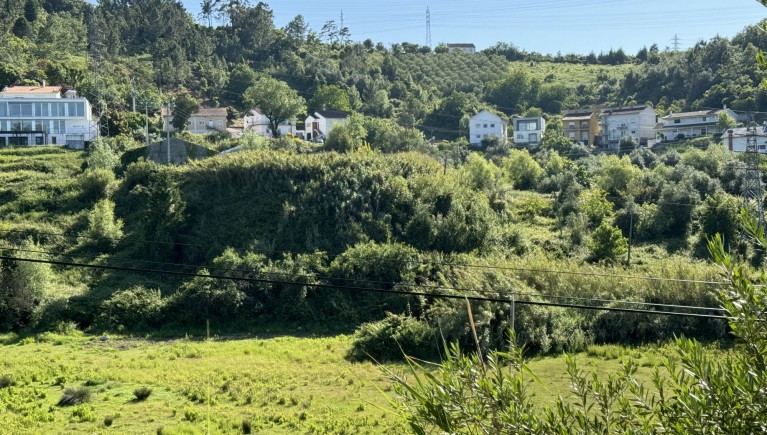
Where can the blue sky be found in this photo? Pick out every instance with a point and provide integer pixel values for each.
(546, 26)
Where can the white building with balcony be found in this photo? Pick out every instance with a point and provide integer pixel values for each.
(40, 115)
(486, 124)
(637, 122)
(528, 131)
(691, 124)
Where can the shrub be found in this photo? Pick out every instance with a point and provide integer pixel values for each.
(108, 420)
(133, 308)
(6, 381)
(101, 155)
(104, 231)
(24, 287)
(522, 170)
(96, 184)
(75, 396)
(387, 339)
(607, 243)
(141, 394)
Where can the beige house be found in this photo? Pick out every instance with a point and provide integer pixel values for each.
(204, 121)
(581, 126)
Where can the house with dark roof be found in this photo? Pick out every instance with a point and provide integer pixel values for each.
(581, 125)
(637, 122)
(318, 125)
(691, 124)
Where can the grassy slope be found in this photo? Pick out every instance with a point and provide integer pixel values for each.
(280, 385)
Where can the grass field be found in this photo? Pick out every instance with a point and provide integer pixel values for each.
(265, 385)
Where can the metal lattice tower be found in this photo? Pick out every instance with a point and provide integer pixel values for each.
(428, 27)
(676, 42)
(752, 182)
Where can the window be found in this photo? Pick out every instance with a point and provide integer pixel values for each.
(3, 109)
(704, 119)
(53, 140)
(572, 135)
(572, 124)
(41, 109)
(57, 109)
(478, 136)
(763, 147)
(18, 110)
(484, 125)
(633, 132)
(479, 125)
(520, 136)
(75, 110)
(58, 127)
(677, 121)
(492, 125)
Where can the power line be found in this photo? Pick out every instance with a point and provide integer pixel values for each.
(396, 284)
(367, 289)
(438, 263)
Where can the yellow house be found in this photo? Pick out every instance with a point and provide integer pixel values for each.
(581, 125)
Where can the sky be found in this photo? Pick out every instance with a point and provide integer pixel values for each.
(545, 26)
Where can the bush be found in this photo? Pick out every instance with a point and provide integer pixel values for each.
(134, 308)
(607, 243)
(6, 381)
(24, 288)
(522, 170)
(101, 155)
(75, 396)
(141, 394)
(96, 184)
(386, 340)
(104, 231)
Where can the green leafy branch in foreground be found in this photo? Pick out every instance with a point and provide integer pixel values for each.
(698, 391)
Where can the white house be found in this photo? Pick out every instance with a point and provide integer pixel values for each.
(638, 122)
(736, 139)
(528, 131)
(38, 115)
(486, 124)
(258, 123)
(205, 121)
(691, 124)
(464, 47)
(318, 125)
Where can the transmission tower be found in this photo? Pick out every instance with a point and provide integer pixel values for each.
(96, 72)
(675, 40)
(428, 27)
(752, 182)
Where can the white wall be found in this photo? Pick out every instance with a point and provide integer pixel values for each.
(485, 124)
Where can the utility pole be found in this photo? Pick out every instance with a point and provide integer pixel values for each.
(631, 233)
(167, 129)
(146, 120)
(133, 93)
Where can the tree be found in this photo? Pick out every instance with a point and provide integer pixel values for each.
(725, 121)
(185, 106)
(607, 243)
(276, 100)
(30, 11)
(330, 97)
